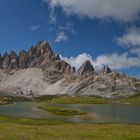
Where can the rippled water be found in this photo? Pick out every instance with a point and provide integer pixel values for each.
(100, 113)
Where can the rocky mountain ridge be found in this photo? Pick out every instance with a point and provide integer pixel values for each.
(40, 71)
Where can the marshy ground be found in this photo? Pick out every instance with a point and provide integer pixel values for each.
(47, 129)
(31, 129)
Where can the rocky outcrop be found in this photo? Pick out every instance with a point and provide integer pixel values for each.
(33, 58)
(38, 53)
(13, 64)
(0, 61)
(106, 70)
(109, 85)
(57, 70)
(40, 71)
(86, 69)
(56, 57)
(23, 59)
(5, 61)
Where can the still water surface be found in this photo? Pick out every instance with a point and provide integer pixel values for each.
(99, 113)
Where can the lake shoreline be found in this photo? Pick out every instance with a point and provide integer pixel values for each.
(36, 129)
(56, 129)
(64, 99)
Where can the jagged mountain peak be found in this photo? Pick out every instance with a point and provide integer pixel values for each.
(33, 58)
(86, 68)
(105, 70)
(41, 48)
(40, 71)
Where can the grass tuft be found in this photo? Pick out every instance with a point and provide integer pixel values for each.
(61, 111)
(5, 100)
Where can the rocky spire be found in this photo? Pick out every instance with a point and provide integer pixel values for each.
(6, 61)
(0, 61)
(13, 64)
(23, 59)
(86, 69)
(56, 57)
(43, 48)
(106, 70)
(38, 53)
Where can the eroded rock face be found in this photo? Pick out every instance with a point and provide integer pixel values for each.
(56, 57)
(39, 53)
(38, 56)
(86, 69)
(110, 85)
(23, 59)
(33, 58)
(43, 49)
(73, 69)
(57, 70)
(106, 70)
(0, 61)
(13, 64)
(6, 61)
(39, 67)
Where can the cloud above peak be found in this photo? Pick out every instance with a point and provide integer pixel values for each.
(61, 37)
(127, 11)
(114, 61)
(131, 40)
(120, 10)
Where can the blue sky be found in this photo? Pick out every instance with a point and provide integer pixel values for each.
(107, 32)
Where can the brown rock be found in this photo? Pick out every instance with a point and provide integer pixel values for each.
(86, 69)
(106, 70)
(0, 61)
(38, 53)
(57, 65)
(23, 58)
(73, 70)
(56, 57)
(6, 61)
(68, 70)
(43, 49)
(13, 64)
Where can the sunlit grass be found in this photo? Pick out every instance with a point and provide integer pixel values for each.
(31, 129)
(135, 99)
(78, 100)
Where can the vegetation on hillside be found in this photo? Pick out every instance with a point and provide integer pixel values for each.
(135, 99)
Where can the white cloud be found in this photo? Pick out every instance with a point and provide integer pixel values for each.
(34, 27)
(61, 37)
(124, 10)
(79, 60)
(118, 10)
(68, 27)
(52, 16)
(131, 40)
(114, 61)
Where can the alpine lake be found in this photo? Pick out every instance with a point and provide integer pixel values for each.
(112, 120)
